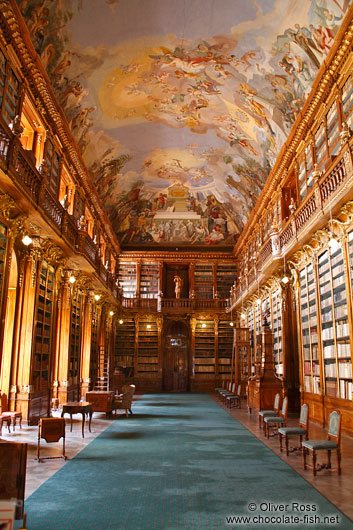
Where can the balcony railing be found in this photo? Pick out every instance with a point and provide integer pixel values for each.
(180, 305)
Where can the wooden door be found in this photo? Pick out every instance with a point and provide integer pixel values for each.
(175, 352)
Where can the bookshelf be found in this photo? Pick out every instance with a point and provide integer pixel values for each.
(334, 323)
(149, 280)
(276, 314)
(242, 357)
(127, 278)
(53, 162)
(3, 246)
(43, 328)
(94, 345)
(203, 281)
(147, 351)
(75, 337)
(225, 346)
(309, 331)
(125, 345)
(226, 274)
(205, 347)
(250, 324)
(9, 91)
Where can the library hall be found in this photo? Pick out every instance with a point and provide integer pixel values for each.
(176, 264)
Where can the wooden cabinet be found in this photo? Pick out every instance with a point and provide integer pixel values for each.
(241, 355)
(263, 386)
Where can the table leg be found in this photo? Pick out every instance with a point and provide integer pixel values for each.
(83, 424)
(90, 420)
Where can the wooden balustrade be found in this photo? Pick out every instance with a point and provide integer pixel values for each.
(52, 208)
(305, 213)
(174, 304)
(266, 251)
(86, 246)
(287, 235)
(69, 229)
(26, 174)
(333, 180)
(4, 145)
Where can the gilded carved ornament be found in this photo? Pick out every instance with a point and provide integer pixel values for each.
(7, 204)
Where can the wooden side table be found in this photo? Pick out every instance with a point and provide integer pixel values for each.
(79, 407)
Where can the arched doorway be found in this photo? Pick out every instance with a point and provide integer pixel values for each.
(175, 354)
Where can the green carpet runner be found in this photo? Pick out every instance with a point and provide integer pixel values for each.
(180, 462)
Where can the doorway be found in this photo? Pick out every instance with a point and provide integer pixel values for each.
(175, 353)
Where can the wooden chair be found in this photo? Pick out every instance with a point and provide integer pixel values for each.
(226, 389)
(276, 421)
(274, 412)
(51, 430)
(12, 415)
(332, 443)
(301, 430)
(225, 393)
(224, 384)
(124, 401)
(4, 419)
(235, 398)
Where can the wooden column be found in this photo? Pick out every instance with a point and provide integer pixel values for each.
(138, 277)
(62, 344)
(214, 269)
(192, 280)
(137, 319)
(22, 368)
(290, 351)
(216, 322)
(192, 356)
(8, 308)
(159, 322)
(85, 365)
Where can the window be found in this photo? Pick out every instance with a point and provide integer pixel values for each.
(53, 161)
(347, 102)
(333, 131)
(320, 146)
(9, 90)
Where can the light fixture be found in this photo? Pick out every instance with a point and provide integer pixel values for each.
(72, 279)
(27, 240)
(149, 326)
(111, 313)
(97, 297)
(121, 321)
(285, 279)
(243, 316)
(258, 301)
(231, 324)
(203, 325)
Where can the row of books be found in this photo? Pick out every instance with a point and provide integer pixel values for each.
(343, 350)
(346, 389)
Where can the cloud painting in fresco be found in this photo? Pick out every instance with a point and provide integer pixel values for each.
(180, 108)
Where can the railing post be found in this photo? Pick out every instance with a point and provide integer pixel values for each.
(317, 193)
(275, 240)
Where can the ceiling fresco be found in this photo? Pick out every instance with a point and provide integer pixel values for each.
(180, 107)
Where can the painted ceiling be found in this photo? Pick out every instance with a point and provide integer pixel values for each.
(180, 107)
